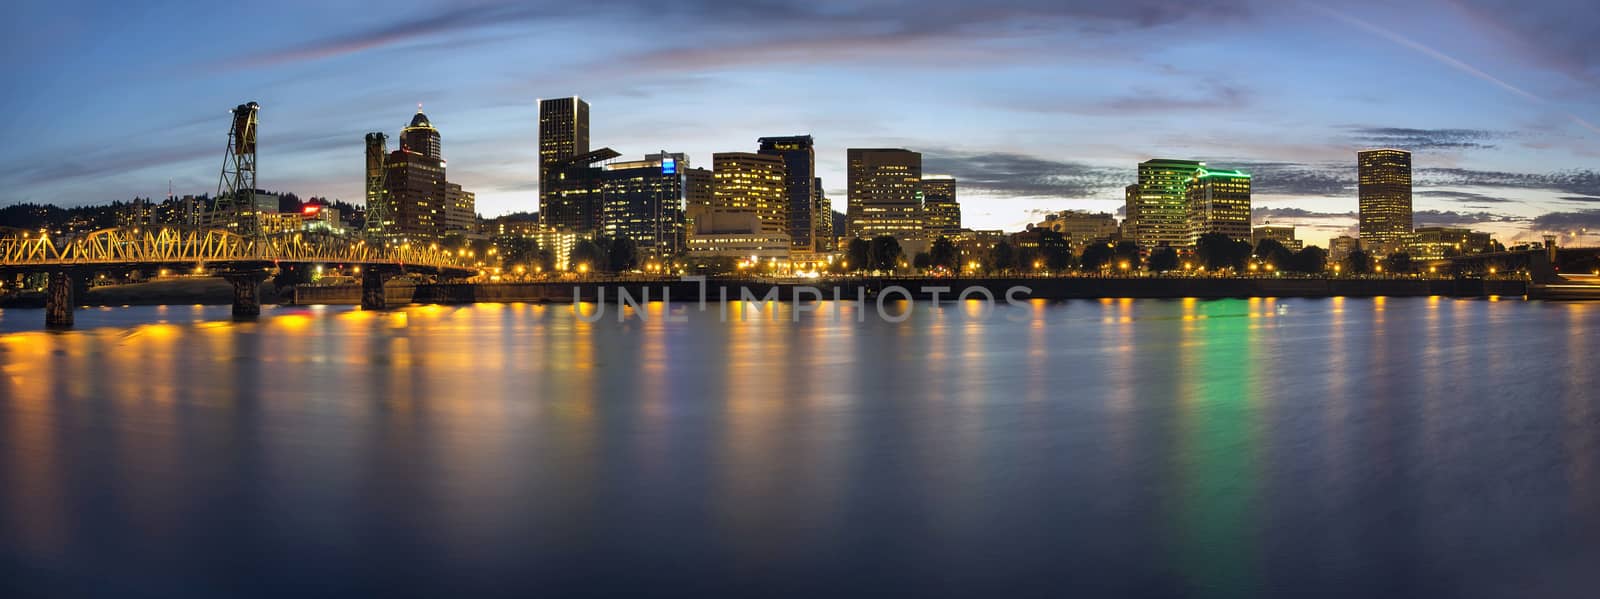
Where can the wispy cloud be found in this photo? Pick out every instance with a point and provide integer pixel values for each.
(1296, 179)
(701, 34)
(1584, 182)
(1448, 60)
(1567, 221)
(1017, 175)
(1451, 218)
(1425, 139)
(1264, 214)
(1463, 196)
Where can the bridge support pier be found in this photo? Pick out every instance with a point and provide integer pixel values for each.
(246, 293)
(58, 304)
(372, 294)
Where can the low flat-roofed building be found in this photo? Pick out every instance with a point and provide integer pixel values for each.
(1283, 234)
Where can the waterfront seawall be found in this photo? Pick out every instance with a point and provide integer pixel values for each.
(1039, 288)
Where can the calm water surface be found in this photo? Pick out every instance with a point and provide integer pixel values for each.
(1340, 447)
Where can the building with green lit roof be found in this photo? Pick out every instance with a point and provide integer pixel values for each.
(1219, 202)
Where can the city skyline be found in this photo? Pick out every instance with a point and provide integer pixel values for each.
(1502, 138)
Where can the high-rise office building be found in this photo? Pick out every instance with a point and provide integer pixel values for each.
(800, 172)
(414, 184)
(563, 135)
(573, 199)
(1385, 192)
(941, 213)
(749, 183)
(1158, 208)
(822, 213)
(1219, 202)
(643, 200)
(885, 190)
(697, 196)
(460, 210)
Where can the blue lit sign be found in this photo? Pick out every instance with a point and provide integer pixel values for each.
(669, 166)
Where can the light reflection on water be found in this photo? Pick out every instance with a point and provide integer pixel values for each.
(1366, 447)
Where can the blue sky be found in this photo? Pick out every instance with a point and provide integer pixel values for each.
(1036, 106)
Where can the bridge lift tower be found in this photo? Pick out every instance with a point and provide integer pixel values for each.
(236, 189)
(379, 215)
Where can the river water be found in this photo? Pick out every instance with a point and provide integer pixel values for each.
(1313, 447)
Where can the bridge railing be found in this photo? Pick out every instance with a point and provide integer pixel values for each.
(134, 246)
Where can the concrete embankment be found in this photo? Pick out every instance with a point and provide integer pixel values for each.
(210, 291)
(918, 288)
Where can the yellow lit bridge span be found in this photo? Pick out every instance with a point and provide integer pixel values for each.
(141, 247)
(243, 261)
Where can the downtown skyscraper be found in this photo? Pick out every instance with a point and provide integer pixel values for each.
(752, 185)
(1385, 199)
(1219, 202)
(942, 215)
(406, 188)
(643, 200)
(1158, 206)
(563, 136)
(885, 193)
(800, 194)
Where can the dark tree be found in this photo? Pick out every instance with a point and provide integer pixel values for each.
(622, 255)
(1095, 256)
(1272, 252)
(1054, 250)
(944, 253)
(1358, 262)
(1399, 263)
(1312, 259)
(922, 261)
(1163, 259)
(856, 254)
(519, 251)
(883, 253)
(1028, 259)
(588, 253)
(1126, 251)
(1217, 251)
(1003, 257)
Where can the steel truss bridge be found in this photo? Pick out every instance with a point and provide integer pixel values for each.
(244, 261)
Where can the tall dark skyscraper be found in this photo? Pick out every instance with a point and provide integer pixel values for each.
(800, 162)
(1385, 191)
(563, 135)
